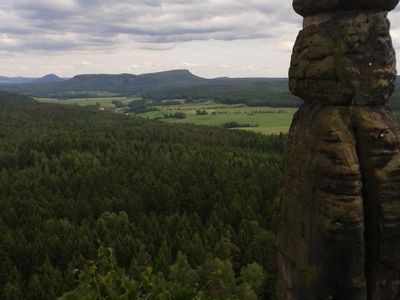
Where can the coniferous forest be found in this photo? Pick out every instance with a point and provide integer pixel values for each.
(98, 205)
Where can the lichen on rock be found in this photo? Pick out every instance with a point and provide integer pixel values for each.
(347, 60)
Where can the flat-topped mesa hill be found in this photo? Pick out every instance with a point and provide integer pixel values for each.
(175, 84)
(167, 76)
(339, 228)
(131, 81)
(103, 82)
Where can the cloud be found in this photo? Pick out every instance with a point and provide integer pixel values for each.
(212, 38)
(59, 25)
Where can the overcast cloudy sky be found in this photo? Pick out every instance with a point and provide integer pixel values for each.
(210, 37)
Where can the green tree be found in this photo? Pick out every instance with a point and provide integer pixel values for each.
(254, 275)
(182, 272)
(11, 292)
(218, 278)
(35, 291)
(51, 280)
(245, 292)
(117, 103)
(13, 288)
(103, 279)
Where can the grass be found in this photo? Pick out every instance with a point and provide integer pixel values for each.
(262, 119)
(265, 120)
(103, 101)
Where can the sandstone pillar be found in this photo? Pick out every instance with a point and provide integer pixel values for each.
(339, 229)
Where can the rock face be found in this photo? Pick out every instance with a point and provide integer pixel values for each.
(339, 231)
(346, 60)
(312, 7)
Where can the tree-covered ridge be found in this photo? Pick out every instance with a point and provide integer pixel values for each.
(176, 84)
(161, 196)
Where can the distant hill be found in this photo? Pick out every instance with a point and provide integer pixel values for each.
(121, 83)
(15, 80)
(175, 84)
(50, 78)
(129, 83)
(159, 86)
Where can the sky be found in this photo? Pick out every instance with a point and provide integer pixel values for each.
(211, 38)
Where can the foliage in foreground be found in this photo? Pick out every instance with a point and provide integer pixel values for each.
(215, 279)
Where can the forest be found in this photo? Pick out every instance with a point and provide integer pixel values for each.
(98, 205)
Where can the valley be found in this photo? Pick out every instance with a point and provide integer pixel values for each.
(266, 120)
(117, 176)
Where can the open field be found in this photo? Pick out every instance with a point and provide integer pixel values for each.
(103, 101)
(261, 119)
(265, 120)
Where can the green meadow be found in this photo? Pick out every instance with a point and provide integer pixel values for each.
(265, 120)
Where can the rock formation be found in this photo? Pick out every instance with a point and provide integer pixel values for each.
(339, 230)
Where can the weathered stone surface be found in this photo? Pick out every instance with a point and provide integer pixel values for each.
(321, 250)
(312, 7)
(378, 143)
(339, 231)
(344, 59)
